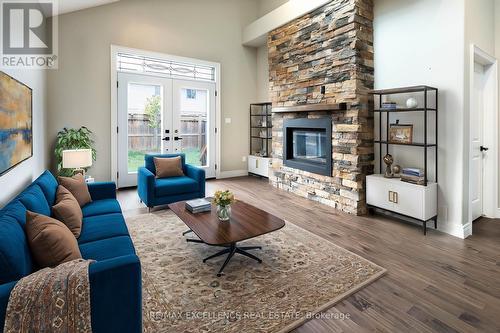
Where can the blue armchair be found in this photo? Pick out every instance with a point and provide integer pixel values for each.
(161, 191)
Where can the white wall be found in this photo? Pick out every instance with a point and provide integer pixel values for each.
(480, 24)
(209, 30)
(422, 42)
(266, 6)
(22, 175)
(262, 75)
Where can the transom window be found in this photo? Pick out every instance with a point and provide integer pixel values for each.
(167, 68)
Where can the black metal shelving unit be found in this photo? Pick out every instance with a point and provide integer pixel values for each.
(426, 145)
(260, 115)
(430, 94)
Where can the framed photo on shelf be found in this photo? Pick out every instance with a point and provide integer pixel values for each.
(400, 133)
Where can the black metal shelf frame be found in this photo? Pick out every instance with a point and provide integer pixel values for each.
(414, 144)
(425, 109)
(404, 110)
(266, 108)
(424, 145)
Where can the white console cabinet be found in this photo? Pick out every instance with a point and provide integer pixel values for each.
(259, 165)
(410, 200)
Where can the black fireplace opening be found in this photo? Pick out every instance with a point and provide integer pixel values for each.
(307, 145)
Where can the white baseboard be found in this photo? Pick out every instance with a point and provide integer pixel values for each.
(457, 230)
(467, 229)
(232, 174)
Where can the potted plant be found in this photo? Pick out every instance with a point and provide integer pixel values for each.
(70, 138)
(223, 200)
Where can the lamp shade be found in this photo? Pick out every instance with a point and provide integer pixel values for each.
(76, 158)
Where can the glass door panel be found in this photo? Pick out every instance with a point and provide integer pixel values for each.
(160, 115)
(194, 123)
(144, 116)
(145, 109)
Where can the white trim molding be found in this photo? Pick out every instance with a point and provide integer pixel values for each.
(115, 49)
(455, 229)
(467, 230)
(490, 192)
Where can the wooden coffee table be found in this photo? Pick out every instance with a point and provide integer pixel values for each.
(246, 222)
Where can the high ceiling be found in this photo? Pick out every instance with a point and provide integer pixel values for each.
(67, 6)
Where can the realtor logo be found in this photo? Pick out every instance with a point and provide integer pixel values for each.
(29, 33)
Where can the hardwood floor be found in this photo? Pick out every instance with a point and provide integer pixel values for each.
(435, 283)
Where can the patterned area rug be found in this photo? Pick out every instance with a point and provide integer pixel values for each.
(301, 275)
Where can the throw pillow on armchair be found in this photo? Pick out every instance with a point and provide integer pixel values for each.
(168, 167)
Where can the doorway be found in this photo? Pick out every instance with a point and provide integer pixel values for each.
(160, 115)
(162, 106)
(483, 163)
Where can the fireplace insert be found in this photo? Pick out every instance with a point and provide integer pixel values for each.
(307, 145)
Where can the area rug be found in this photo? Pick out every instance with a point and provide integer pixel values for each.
(301, 275)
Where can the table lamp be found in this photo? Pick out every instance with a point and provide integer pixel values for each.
(77, 159)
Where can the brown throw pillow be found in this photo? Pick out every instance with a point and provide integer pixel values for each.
(68, 211)
(50, 241)
(77, 186)
(168, 167)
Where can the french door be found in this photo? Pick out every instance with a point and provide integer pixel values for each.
(163, 115)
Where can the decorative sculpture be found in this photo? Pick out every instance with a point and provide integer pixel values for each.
(388, 160)
(396, 170)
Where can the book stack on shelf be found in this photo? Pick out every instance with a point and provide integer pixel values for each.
(389, 105)
(413, 175)
(198, 206)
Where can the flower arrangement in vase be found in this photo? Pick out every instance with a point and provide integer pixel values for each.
(223, 200)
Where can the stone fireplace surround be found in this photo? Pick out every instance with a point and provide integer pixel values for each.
(318, 63)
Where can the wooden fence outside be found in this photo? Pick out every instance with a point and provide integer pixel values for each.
(143, 138)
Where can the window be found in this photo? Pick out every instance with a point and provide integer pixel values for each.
(190, 93)
(166, 68)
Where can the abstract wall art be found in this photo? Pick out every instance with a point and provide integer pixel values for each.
(16, 123)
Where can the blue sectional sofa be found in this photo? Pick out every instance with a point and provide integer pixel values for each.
(115, 277)
(155, 192)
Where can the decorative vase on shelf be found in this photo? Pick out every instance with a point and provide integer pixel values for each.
(224, 212)
(411, 103)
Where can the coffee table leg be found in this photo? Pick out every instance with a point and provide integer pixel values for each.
(189, 240)
(218, 254)
(250, 248)
(246, 254)
(232, 250)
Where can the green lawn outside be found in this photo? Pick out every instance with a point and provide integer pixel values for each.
(136, 158)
